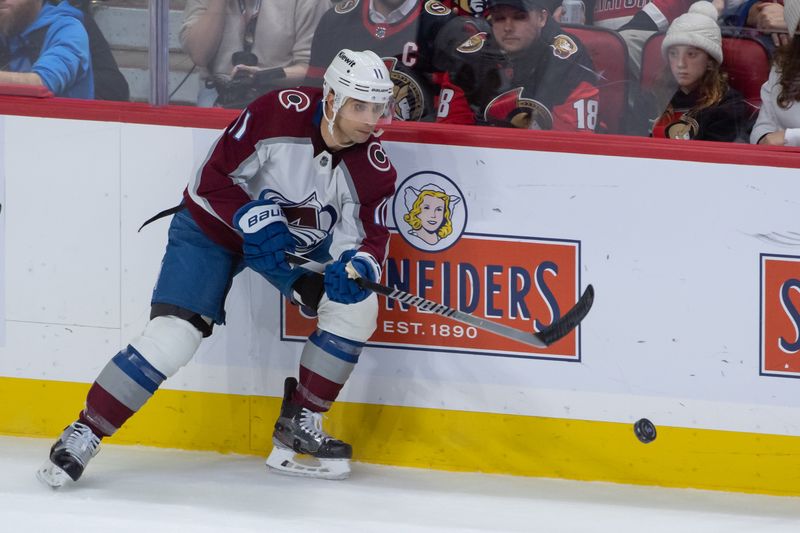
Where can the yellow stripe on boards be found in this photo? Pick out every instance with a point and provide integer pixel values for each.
(435, 438)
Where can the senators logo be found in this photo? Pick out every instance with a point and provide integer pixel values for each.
(345, 6)
(685, 128)
(409, 95)
(780, 316)
(563, 46)
(525, 113)
(473, 44)
(436, 8)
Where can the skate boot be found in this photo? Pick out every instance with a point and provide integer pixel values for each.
(301, 447)
(69, 455)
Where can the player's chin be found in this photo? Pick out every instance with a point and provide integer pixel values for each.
(361, 136)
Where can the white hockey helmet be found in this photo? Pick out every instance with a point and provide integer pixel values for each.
(359, 75)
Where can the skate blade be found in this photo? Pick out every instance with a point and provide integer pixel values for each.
(286, 462)
(52, 475)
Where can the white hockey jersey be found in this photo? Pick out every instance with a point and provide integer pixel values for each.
(275, 150)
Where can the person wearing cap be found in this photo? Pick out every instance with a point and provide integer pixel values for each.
(704, 107)
(778, 122)
(299, 170)
(551, 80)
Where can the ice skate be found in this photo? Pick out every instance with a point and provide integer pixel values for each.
(69, 455)
(301, 447)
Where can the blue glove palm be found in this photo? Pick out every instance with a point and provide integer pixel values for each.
(266, 236)
(339, 287)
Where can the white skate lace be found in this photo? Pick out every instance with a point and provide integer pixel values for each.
(312, 423)
(80, 441)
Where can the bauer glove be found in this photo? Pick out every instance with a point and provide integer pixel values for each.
(266, 236)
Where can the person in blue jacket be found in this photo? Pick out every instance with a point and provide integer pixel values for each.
(45, 44)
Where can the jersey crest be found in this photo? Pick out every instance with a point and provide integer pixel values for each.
(409, 95)
(310, 222)
(345, 6)
(525, 113)
(563, 46)
(434, 7)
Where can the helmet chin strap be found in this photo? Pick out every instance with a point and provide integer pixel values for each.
(331, 121)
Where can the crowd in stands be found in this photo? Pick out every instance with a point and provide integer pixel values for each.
(725, 70)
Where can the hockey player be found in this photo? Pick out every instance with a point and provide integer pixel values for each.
(304, 155)
(552, 82)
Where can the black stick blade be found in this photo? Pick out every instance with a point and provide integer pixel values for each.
(569, 321)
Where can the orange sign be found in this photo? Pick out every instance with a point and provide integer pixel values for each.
(780, 315)
(522, 283)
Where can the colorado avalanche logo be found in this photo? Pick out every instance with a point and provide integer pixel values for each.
(310, 222)
(294, 99)
(429, 211)
(377, 157)
(525, 113)
(345, 6)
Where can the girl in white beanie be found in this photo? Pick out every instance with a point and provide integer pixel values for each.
(704, 107)
(778, 122)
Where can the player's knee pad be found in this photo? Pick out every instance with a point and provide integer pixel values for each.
(356, 322)
(168, 343)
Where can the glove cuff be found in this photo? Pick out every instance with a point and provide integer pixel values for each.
(373, 264)
(257, 215)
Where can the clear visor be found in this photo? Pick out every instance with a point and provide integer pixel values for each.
(374, 114)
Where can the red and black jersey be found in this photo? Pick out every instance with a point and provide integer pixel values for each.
(409, 42)
(726, 121)
(275, 150)
(552, 86)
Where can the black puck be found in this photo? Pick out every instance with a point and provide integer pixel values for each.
(645, 430)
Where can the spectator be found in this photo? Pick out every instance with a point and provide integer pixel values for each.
(552, 83)
(45, 44)
(402, 32)
(253, 42)
(778, 122)
(765, 16)
(109, 83)
(704, 107)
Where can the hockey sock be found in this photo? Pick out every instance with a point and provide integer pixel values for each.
(121, 389)
(325, 365)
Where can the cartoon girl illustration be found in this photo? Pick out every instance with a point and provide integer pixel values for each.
(430, 211)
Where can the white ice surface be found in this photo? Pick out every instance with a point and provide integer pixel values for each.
(153, 490)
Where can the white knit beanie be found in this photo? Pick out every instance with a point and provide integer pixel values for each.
(698, 27)
(791, 14)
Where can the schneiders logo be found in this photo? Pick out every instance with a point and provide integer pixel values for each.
(780, 316)
(522, 282)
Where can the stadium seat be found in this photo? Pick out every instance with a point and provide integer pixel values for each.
(745, 59)
(610, 58)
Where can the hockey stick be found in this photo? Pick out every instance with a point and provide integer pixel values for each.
(543, 339)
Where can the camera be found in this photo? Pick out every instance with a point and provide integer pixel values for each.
(238, 91)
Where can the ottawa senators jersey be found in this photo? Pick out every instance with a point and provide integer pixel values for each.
(348, 25)
(333, 201)
(553, 86)
(727, 121)
(406, 46)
